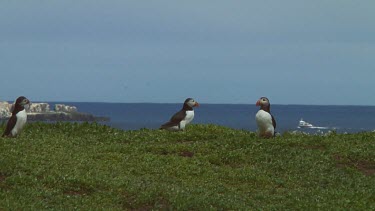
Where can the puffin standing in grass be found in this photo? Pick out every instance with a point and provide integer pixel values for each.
(265, 121)
(180, 119)
(18, 119)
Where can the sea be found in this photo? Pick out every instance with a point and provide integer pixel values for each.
(325, 118)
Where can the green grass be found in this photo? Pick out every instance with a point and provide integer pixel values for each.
(67, 166)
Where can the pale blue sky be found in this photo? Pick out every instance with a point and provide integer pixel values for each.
(294, 52)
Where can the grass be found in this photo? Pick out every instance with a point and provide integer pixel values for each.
(66, 166)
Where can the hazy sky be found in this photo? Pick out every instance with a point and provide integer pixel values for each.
(294, 52)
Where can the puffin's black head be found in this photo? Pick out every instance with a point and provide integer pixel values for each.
(190, 103)
(264, 104)
(20, 103)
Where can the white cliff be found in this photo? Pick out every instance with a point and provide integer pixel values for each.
(38, 108)
(5, 109)
(65, 108)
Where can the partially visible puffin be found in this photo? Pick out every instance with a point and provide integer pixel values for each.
(265, 121)
(180, 119)
(18, 119)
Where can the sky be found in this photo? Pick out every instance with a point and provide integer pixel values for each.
(319, 52)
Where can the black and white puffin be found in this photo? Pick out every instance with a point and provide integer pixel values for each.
(180, 119)
(265, 121)
(18, 119)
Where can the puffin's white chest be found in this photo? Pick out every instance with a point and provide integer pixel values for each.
(264, 122)
(188, 118)
(21, 121)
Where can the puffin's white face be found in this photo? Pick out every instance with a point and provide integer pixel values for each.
(263, 101)
(25, 102)
(191, 102)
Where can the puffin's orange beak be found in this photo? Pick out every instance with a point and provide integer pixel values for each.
(196, 104)
(258, 103)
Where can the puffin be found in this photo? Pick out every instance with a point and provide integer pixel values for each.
(18, 119)
(180, 119)
(265, 121)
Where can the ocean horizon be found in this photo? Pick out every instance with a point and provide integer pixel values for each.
(134, 116)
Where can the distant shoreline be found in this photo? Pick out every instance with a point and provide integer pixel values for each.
(42, 112)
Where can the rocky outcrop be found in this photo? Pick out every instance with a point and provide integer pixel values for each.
(65, 108)
(5, 109)
(38, 108)
(42, 112)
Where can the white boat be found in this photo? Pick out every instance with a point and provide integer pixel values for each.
(303, 124)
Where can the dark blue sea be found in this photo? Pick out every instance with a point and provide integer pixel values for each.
(133, 116)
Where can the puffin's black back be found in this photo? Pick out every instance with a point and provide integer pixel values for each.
(11, 123)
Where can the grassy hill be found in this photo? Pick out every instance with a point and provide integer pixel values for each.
(67, 166)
